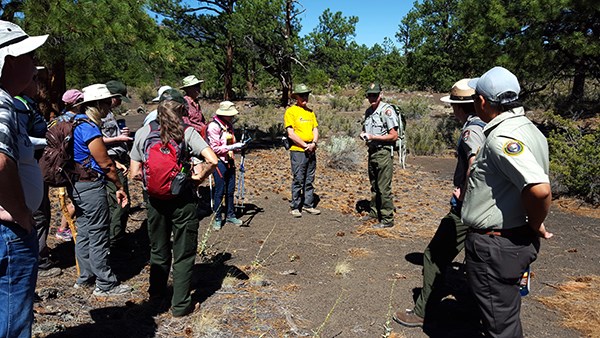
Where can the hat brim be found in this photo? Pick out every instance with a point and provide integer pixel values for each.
(473, 83)
(192, 84)
(124, 98)
(447, 99)
(298, 93)
(156, 99)
(98, 99)
(373, 91)
(226, 112)
(28, 45)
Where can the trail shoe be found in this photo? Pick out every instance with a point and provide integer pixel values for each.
(312, 211)
(234, 221)
(118, 290)
(216, 224)
(367, 218)
(83, 286)
(296, 213)
(408, 318)
(383, 225)
(64, 235)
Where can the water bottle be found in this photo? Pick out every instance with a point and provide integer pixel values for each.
(525, 281)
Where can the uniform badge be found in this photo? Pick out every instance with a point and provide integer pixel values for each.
(388, 112)
(465, 135)
(513, 148)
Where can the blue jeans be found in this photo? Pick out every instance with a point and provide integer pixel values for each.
(224, 185)
(18, 275)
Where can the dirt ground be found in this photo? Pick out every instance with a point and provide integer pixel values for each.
(322, 276)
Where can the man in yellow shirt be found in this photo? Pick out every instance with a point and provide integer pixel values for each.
(301, 125)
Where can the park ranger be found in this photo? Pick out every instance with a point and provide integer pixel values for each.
(508, 197)
(380, 131)
(449, 239)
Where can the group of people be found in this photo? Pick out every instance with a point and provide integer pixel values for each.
(497, 209)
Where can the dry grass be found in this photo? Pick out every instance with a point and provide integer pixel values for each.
(206, 324)
(342, 269)
(577, 300)
(359, 252)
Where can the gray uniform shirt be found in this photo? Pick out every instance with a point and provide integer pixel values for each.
(380, 121)
(110, 128)
(471, 140)
(514, 155)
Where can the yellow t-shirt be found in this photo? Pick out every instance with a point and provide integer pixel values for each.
(302, 121)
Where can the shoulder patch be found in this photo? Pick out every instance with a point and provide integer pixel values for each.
(389, 112)
(465, 135)
(513, 148)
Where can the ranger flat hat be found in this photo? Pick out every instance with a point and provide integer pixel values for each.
(460, 93)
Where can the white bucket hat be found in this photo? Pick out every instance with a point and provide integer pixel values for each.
(96, 92)
(160, 91)
(190, 80)
(227, 108)
(14, 41)
(460, 93)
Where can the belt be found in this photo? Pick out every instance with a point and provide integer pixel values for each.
(379, 147)
(512, 232)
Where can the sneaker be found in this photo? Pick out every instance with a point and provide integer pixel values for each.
(83, 286)
(408, 318)
(234, 221)
(216, 224)
(64, 235)
(52, 272)
(367, 218)
(118, 290)
(296, 213)
(312, 211)
(45, 263)
(383, 225)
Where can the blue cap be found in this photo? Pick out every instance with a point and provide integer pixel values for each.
(498, 85)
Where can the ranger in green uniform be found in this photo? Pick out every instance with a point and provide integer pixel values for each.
(449, 239)
(380, 131)
(508, 197)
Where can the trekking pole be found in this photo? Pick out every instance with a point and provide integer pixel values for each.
(240, 191)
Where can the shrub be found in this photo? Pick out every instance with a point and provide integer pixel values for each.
(146, 93)
(342, 153)
(424, 138)
(335, 123)
(574, 160)
(414, 108)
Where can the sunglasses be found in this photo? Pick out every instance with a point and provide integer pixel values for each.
(372, 95)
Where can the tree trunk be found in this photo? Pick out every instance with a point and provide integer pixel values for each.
(578, 90)
(228, 76)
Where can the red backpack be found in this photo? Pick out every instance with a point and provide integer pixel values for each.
(164, 169)
(58, 166)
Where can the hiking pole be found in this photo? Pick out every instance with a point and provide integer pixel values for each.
(240, 191)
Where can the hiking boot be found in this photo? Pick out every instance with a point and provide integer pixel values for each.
(45, 263)
(216, 224)
(234, 221)
(64, 235)
(118, 290)
(383, 225)
(296, 213)
(52, 272)
(312, 211)
(408, 318)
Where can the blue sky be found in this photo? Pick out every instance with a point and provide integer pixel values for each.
(376, 18)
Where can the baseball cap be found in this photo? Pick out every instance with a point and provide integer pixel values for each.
(497, 85)
(117, 87)
(72, 96)
(172, 95)
(374, 88)
(160, 91)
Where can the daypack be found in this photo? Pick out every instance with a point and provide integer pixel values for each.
(164, 169)
(400, 145)
(57, 163)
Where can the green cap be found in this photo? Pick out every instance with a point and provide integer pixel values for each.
(172, 95)
(117, 87)
(301, 88)
(374, 88)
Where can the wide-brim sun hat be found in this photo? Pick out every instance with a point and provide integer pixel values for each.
(226, 108)
(96, 92)
(14, 41)
(497, 85)
(160, 91)
(301, 88)
(190, 80)
(460, 93)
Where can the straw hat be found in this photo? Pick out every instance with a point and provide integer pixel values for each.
(460, 93)
(227, 108)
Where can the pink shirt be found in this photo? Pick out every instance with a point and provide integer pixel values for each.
(220, 135)
(195, 118)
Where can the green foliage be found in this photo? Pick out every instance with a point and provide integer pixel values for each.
(146, 93)
(415, 107)
(574, 160)
(335, 123)
(344, 103)
(342, 153)
(424, 137)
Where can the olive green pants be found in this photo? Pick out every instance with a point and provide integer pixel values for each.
(381, 171)
(118, 214)
(446, 244)
(177, 216)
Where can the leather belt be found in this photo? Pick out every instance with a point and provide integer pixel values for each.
(512, 232)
